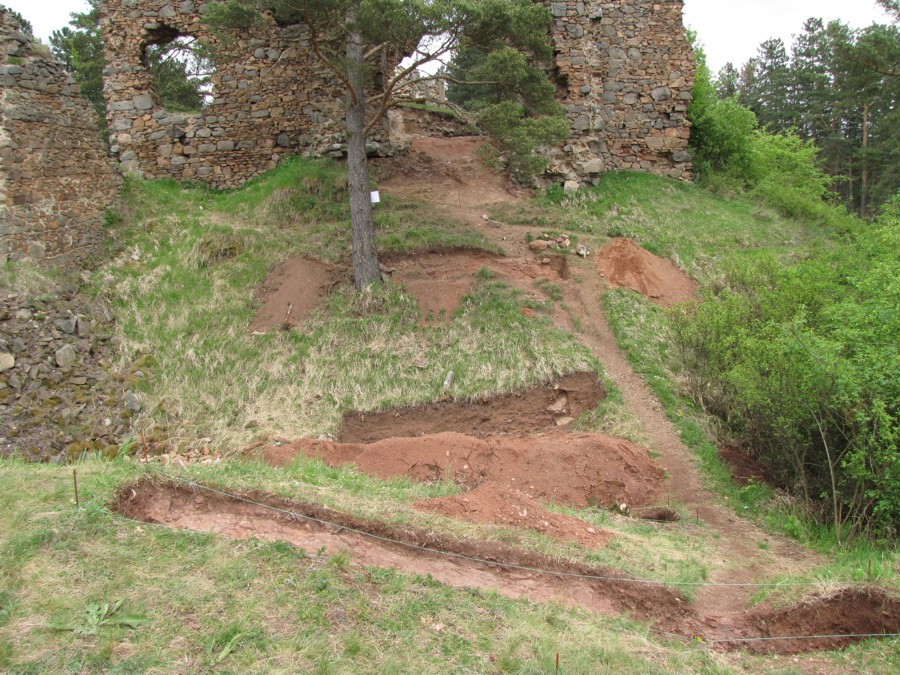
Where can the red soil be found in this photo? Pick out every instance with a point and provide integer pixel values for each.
(626, 265)
(501, 506)
(291, 291)
(572, 469)
(545, 407)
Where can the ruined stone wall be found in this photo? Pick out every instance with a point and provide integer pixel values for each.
(272, 98)
(56, 177)
(625, 70)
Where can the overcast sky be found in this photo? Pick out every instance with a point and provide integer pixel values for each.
(730, 30)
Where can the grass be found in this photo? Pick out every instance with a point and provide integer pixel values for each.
(675, 220)
(253, 606)
(186, 263)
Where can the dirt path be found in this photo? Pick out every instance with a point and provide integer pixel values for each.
(744, 553)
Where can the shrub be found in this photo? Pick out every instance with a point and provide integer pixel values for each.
(802, 364)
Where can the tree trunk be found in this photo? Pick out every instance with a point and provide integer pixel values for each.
(864, 189)
(365, 257)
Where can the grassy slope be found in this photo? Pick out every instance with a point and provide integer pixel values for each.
(188, 262)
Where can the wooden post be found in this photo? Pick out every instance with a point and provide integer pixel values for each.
(75, 481)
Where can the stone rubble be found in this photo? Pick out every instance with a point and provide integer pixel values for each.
(59, 393)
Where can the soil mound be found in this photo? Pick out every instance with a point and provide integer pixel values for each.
(544, 407)
(626, 265)
(850, 612)
(487, 565)
(291, 291)
(572, 469)
(502, 506)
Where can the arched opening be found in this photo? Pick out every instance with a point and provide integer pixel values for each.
(181, 70)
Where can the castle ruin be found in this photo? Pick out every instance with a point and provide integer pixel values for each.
(56, 177)
(624, 69)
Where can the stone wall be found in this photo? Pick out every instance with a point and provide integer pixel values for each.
(625, 71)
(56, 177)
(272, 98)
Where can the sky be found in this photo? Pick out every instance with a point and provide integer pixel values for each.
(730, 30)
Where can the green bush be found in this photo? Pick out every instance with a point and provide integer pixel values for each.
(731, 153)
(802, 364)
(520, 137)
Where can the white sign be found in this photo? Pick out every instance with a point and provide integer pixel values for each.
(376, 198)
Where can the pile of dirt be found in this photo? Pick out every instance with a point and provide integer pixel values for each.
(291, 291)
(850, 612)
(625, 264)
(554, 404)
(471, 563)
(502, 506)
(59, 394)
(577, 470)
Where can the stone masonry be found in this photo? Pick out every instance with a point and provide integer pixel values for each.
(56, 177)
(272, 98)
(625, 70)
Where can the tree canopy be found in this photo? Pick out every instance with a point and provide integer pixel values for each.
(837, 88)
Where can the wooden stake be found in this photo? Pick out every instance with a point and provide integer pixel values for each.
(75, 480)
(870, 570)
(557, 662)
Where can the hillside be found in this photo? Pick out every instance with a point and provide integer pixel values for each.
(486, 464)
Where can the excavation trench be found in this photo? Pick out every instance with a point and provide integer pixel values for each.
(484, 565)
(509, 571)
(555, 404)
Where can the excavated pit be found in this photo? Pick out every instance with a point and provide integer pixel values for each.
(849, 612)
(437, 279)
(551, 405)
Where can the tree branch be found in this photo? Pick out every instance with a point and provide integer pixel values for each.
(314, 43)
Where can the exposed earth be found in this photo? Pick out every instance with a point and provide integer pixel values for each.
(517, 456)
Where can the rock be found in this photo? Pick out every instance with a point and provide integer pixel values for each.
(133, 403)
(84, 327)
(582, 251)
(539, 245)
(65, 357)
(24, 315)
(67, 325)
(571, 187)
(7, 361)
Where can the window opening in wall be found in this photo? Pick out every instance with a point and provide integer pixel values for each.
(181, 71)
